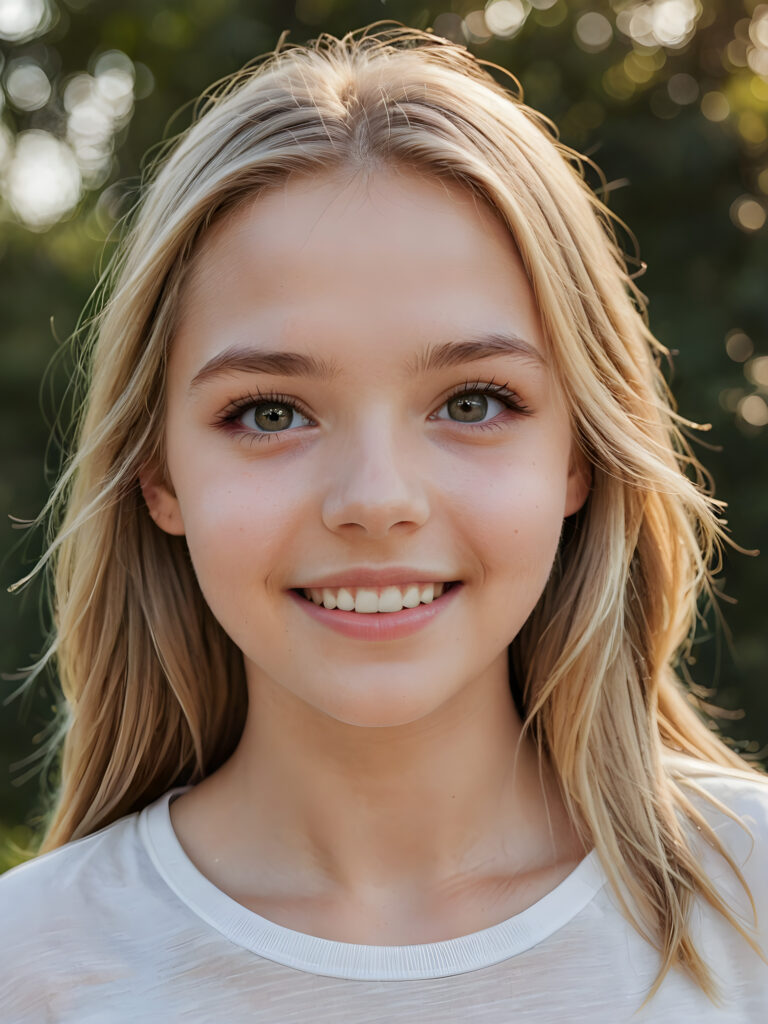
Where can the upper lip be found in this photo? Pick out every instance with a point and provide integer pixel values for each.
(393, 576)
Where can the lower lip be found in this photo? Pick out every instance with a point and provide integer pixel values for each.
(378, 625)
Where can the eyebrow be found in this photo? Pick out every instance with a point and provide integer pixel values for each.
(298, 364)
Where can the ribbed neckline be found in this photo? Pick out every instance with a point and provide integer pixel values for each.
(349, 960)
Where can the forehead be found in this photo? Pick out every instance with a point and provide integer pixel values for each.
(384, 260)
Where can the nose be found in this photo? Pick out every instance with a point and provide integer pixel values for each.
(373, 484)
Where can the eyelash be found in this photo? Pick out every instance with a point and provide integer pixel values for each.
(229, 416)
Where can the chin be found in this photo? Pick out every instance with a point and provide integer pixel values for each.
(377, 709)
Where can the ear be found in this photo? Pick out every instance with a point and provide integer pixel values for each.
(579, 482)
(162, 503)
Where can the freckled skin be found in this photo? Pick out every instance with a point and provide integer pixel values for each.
(415, 734)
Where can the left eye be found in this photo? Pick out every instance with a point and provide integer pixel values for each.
(472, 407)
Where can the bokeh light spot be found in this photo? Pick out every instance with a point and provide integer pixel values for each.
(617, 84)
(753, 410)
(639, 67)
(23, 19)
(115, 75)
(43, 181)
(747, 213)
(758, 28)
(756, 370)
(729, 398)
(757, 59)
(27, 85)
(475, 28)
(448, 26)
(99, 105)
(736, 53)
(683, 89)
(714, 106)
(738, 345)
(593, 32)
(669, 23)
(505, 18)
(144, 83)
(752, 127)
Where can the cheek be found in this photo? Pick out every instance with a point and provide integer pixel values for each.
(512, 516)
(239, 525)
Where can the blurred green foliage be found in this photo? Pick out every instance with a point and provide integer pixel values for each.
(669, 97)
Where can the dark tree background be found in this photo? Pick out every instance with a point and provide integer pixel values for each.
(669, 97)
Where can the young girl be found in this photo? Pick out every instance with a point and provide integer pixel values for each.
(380, 541)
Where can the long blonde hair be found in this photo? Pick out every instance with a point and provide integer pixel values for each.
(155, 690)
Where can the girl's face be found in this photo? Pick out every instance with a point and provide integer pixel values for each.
(359, 391)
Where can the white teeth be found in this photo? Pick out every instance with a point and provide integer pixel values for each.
(411, 597)
(367, 600)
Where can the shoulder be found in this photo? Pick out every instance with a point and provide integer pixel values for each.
(51, 876)
(723, 792)
(735, 805)
(66, 917)
(67, 891)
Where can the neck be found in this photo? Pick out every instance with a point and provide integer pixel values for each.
(351, 809)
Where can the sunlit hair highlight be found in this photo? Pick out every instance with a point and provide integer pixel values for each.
(155, 690)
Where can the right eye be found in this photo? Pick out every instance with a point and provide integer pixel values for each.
(263, 416)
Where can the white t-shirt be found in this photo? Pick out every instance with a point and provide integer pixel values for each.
(121, 927)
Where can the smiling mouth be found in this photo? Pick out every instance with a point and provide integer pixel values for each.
(366, 609)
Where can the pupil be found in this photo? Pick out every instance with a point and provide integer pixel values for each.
(469, 408)
(273, 417)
